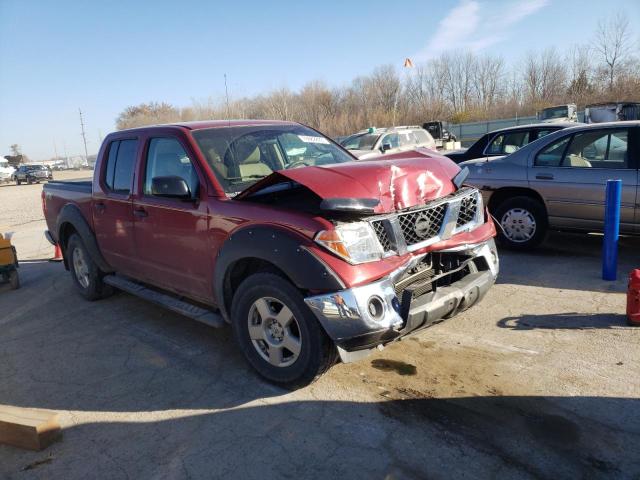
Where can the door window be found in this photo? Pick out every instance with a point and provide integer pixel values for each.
(551, 155)
(120, 165)
(407, 139)
(167, 158)
(598, 149)
(507, 143)
(422, 137)
(392, 139)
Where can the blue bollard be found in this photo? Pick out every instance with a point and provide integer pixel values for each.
(613, 197)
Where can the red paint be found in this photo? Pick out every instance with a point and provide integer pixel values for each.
(633, 298)
(175, 244)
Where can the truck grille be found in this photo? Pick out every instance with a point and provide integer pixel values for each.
(423, 224)
(382, 235)
(419, 227)
(468, 210)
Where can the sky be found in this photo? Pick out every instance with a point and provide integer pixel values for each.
(58, 56)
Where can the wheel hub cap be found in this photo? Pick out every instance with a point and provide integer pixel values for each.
(518, 225)
(274, 332)
(80, 267)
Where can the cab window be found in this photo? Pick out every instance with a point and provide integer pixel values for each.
(167, 158)
(120, 165)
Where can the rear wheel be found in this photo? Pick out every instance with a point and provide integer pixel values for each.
(18, 182)
(278, 334)
(85, 273)
(522, 222)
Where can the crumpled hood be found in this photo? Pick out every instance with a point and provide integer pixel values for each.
(396, 183)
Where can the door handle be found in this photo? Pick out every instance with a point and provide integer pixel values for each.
(140, 212)
(544, 176)
(100, 206)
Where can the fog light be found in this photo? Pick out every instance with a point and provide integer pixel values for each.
(376, 308)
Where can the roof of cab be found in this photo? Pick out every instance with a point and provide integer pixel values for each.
(198, 125)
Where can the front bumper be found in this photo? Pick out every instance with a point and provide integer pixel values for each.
(362, 318)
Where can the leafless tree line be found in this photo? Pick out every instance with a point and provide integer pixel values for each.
(456, 86)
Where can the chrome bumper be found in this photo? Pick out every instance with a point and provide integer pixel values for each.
(357, 326)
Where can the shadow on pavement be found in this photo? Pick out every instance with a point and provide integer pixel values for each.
(568, 261)
(472, 437)
(564, 321)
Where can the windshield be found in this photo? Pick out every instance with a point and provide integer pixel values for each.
(360, 141)
(557, 112)
(240, 156)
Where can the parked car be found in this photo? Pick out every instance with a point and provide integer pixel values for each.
(32, 174)
(441, 136)
(374, 142)
(559, 182)
(6, 171)
(273, 228)
(506, 140)
(611, 112)
(559, 113)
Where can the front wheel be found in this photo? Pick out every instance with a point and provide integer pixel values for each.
(18, 182)
(278, 334)
(85, 273)
(522, 223)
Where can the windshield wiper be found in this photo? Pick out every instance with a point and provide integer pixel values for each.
(244, 179)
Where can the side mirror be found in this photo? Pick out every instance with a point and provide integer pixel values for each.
(385, 147)
(170, 187)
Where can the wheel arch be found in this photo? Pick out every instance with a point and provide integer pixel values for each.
(500, 195)
(70, 221)
(268, 248)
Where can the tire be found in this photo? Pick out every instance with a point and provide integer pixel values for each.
(522, 223)
(14, 280)
(317, 353)
(18, 182)
(85, 273)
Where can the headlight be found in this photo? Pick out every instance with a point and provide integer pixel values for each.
(355, 242)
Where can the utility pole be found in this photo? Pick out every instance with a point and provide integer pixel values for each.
(66, 155)
(84, 138)
(55, 149)
(226, 92)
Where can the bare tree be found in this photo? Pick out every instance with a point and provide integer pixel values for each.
(612, 43)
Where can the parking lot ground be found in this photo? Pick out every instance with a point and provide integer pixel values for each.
(541, 380)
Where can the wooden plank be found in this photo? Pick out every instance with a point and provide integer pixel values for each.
(28, 428)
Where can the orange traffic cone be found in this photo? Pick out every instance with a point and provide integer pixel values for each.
(57, 255)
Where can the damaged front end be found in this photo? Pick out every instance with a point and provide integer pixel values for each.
(426, 290)
(411, 213)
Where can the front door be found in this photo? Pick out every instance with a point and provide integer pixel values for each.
(571, 174)
(172, 235)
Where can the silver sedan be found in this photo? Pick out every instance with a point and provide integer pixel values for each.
(559, 181)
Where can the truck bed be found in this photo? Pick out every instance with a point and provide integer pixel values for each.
(58, 193)
(75, 185)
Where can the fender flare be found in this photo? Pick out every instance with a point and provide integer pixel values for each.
(71, 214)
(282, 248)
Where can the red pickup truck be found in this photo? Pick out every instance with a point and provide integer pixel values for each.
(275, 229)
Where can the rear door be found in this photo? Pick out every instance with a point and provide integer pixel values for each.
(172, 235)
(571, 175)
(112, 214)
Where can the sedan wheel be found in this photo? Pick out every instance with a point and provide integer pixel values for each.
(519, 225)
(274, 332)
